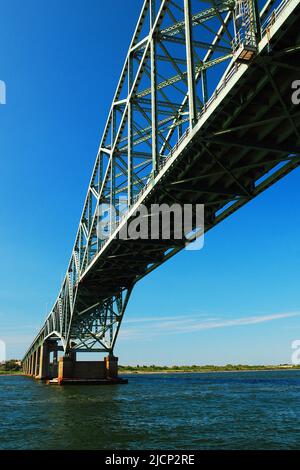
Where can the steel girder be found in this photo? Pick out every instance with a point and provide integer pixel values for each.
(181, 57)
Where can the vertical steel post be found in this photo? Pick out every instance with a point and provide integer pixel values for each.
(129, 136)
(121, 311)
(100, 179)
(190, 63)
(204, 86)
(111, 319)
(112, 170)
(257, 21)
(155, 160)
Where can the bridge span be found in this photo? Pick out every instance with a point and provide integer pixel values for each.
(203, 114)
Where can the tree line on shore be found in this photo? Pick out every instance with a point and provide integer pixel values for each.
(204, 368)
(11, 366)
(14, 366)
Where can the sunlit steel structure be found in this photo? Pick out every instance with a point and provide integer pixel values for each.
(202, 114)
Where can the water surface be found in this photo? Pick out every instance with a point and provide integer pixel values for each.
(240, 410)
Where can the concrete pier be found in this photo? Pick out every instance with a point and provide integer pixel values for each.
(43, 372)
(105, 372)
(67, 370)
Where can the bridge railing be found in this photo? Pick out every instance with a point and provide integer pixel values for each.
(273, 16)
(269, 21)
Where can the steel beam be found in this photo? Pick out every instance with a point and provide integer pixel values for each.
(190, 63)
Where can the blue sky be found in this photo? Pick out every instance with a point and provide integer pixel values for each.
(235, 301)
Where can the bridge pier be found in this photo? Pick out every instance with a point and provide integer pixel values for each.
(67, 370)
(111, 366)
(71, 371)
(26, 369)
(66, 366)
(30, 365)
(44, 362)
(35, 362)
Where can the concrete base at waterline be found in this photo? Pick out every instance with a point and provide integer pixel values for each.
(71, 372)
(117, 381)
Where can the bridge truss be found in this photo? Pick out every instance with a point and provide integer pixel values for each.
(177, 132)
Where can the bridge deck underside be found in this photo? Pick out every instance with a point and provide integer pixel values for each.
(253, 130)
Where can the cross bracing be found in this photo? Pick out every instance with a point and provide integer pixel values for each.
(202, 114)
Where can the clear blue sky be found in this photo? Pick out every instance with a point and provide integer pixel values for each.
(237, 300)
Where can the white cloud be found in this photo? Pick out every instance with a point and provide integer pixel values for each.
(187, 324)
(154, 319)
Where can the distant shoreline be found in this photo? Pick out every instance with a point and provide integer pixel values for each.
(8, 374)
(207, 371)
(12, 372)
(192, 370)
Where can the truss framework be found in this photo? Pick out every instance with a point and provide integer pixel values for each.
(179, 55)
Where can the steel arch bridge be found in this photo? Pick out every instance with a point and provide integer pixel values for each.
(202, 114)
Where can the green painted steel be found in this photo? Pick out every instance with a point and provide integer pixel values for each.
(202, 114)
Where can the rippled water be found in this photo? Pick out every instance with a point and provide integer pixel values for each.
(247, 410)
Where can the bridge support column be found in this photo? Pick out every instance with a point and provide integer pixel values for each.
(44, 362)
(111, 367)
(66, 368)
(30, 365)
(34, 363)
(37, 362)
(88, 372)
